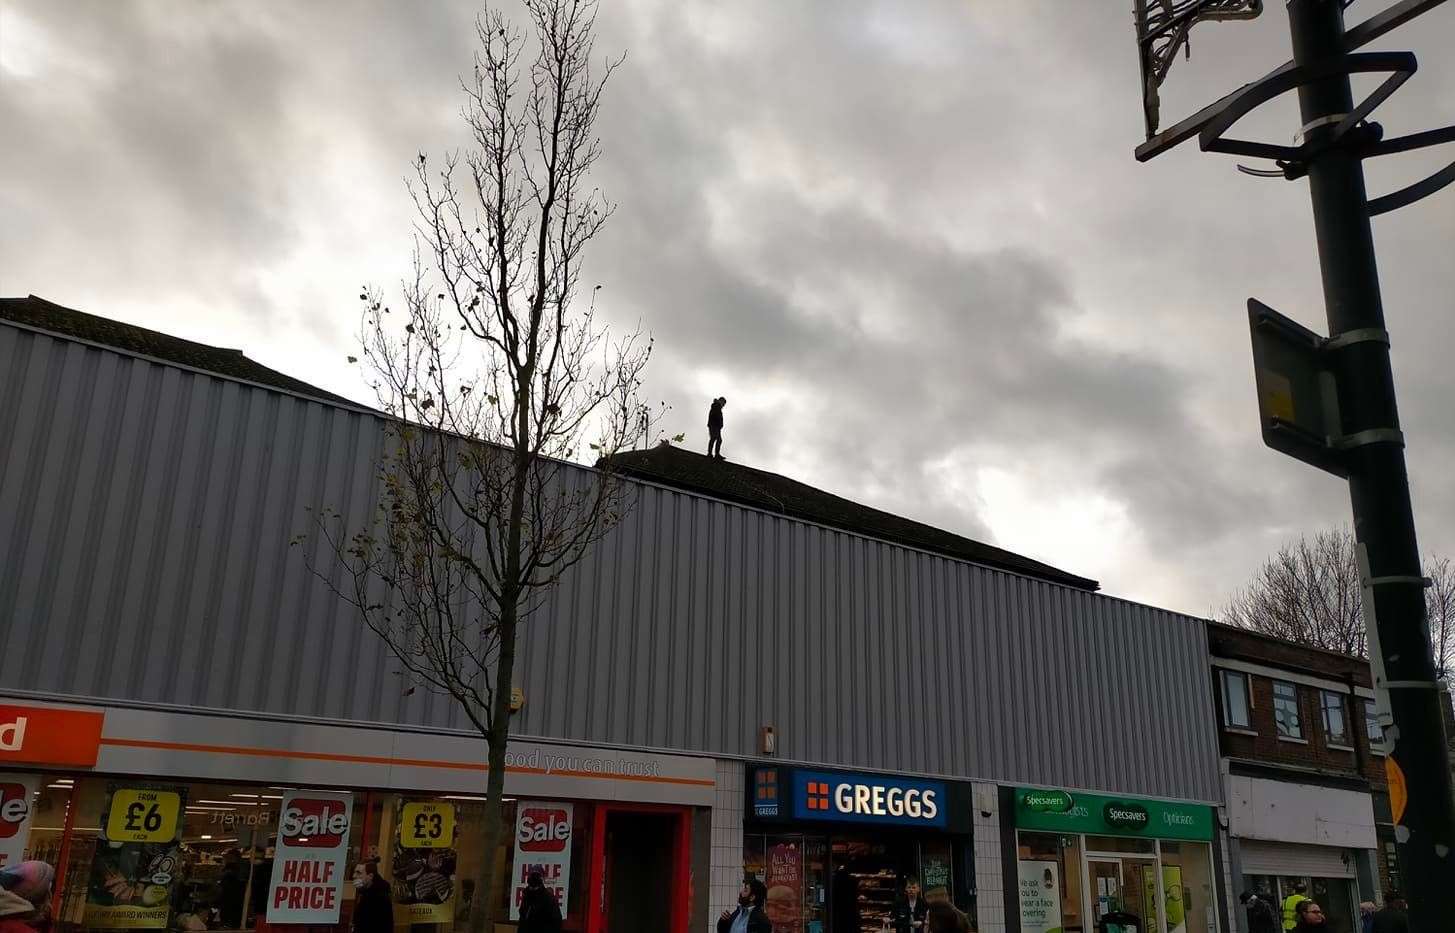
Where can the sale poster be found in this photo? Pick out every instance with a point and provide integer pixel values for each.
(138, 858)
(308, 862)
(425, 862)
(1040, 897)
(785, 888)
(543, 844)
(17, 803)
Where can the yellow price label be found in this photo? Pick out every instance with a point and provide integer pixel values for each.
(427, 825)
(141, 814)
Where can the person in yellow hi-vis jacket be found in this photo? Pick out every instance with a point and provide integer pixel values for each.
(1290, 905)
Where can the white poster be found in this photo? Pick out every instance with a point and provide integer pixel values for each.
(1040, 894)
(17, 803)
(308, 865)
(543, 844)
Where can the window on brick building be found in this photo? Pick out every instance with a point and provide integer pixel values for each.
(1336, 724)
(1372, 727)
(1236, 701)
(1285, 710)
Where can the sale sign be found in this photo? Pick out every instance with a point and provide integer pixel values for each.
(542, 844)
(425, 862)
(17, 802)
(308, 862)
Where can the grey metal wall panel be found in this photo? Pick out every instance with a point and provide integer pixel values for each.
(145, 519)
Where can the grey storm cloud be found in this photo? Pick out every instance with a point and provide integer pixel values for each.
(908, 240)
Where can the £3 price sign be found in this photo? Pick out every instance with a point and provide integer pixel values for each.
(141, 814)
(427, 825)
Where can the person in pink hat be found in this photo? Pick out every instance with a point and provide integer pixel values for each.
(24, 890)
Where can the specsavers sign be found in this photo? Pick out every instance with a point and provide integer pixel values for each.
(1062, 812)
(868, 798)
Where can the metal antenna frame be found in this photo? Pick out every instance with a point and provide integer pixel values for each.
(1162, 29)
(1365, 139)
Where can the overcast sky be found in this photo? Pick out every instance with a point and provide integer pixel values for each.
(906, 238)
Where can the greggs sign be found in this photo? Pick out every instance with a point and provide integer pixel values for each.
(42, 735)
(866, 798)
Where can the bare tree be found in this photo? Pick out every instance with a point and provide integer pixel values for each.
(1309, 592)
(495, 373)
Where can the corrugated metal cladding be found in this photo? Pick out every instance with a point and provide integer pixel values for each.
(145, 514)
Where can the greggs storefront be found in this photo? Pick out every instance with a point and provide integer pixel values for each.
(837, 849)
(170, 820)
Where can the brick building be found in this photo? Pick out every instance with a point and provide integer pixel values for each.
(1307, 796)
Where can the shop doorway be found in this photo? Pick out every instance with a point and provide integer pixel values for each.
(642, 872)
(1125, 886)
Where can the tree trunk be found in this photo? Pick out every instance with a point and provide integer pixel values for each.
(497, 740)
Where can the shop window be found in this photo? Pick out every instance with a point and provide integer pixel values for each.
(1336, 724)
(1189, 889)
(1236, 701)
(1049, 881)
(1285, 710)
(1372, 728)
(199, 856)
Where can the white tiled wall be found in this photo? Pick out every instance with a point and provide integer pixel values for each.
(989, 880)
(727, 840)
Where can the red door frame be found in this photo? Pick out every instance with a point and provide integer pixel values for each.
(680, 903)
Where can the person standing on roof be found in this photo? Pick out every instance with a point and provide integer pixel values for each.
(714, 427)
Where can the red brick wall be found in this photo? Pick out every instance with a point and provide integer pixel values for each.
(1314, 751)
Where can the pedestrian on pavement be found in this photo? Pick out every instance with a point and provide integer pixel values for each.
(373, 904)
(1262, 915)
(942, 917)
(908, 914)
(1290, 905)
(714, 427)
(750, 916)
(539, 912)
(25, 890)
(1311, 918)
(1392, 919)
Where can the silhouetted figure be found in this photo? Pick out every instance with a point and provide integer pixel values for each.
(714, 428)
(845, 915)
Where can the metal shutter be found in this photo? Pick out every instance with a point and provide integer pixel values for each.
(1280, 858)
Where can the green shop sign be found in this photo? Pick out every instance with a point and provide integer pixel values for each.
(1059, 812)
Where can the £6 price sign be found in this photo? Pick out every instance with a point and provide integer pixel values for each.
(142, 814)
(427, 825)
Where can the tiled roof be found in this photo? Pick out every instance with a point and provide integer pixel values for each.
(723, 479)
(67, 322)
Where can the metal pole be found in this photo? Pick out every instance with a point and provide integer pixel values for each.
(1378, 483)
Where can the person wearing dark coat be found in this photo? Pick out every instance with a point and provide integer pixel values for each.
(1392, 919)
(373, 902)
(714, 428)
(1262, 915)
(539, 912)
(750, 916)
(845, 913)
(908, 915)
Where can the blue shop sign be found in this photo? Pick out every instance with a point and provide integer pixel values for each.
(868, 798)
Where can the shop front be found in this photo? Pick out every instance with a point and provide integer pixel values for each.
(1285, 835)
(159, 820)
(1087, 863)
(838, 849)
